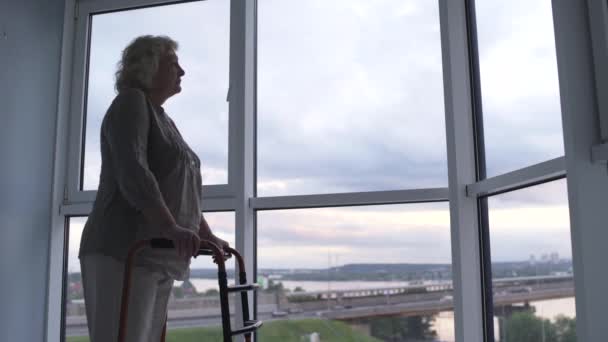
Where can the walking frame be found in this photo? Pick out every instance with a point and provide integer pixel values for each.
(249, 327)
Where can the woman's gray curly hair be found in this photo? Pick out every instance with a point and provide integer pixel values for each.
(140, 60)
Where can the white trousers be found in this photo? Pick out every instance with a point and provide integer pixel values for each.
(102, 278)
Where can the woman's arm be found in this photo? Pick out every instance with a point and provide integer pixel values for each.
(204, 231)
(206, 234)
(125, 130)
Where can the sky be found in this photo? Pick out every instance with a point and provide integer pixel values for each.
(350, 98)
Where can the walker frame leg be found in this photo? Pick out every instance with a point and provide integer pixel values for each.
(250, 326)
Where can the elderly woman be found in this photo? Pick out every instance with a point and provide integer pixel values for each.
(150, 186)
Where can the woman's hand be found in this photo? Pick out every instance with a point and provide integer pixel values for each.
(186, 242)
(221, 243)
(218, 242)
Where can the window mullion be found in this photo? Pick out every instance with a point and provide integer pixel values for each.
(57, 222)
(241, 111)
(598, 23)
(587, 182)
(466, 265)
(77, 95)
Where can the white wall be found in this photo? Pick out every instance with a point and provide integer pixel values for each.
(29, 76)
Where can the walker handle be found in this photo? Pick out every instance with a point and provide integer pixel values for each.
(168, 244)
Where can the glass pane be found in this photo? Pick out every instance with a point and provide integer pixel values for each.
(200, 111)
(519, 84)
(364, 273)
(350, 96)
(532, 264)
(75, 315)
(193, 309)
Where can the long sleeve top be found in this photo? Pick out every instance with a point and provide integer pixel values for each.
(145, 163)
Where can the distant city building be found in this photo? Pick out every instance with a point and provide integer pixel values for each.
(554, 258)
(263, 282)
(544, 258)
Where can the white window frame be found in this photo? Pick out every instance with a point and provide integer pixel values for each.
(242, 127)
(466, 190)
(57, 238)
(576, 34)
(460, 140)
(74, 195)
(239, 194)
(350, 199)
(527, 176)
(598, 24)
(68, 199)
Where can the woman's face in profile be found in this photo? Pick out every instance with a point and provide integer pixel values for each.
(168, 76)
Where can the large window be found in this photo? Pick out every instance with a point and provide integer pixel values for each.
(365, 273)
(519, 84)
(193, 310)
(528, 228)
(350, 97)
(200, 111)
(348, 232)
(533, 282)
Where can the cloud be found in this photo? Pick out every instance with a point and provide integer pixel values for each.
(529, 221)
(376, 121)
(200, 111)
(358, 95)
(389, 233)
(519, 84)
(350, 98)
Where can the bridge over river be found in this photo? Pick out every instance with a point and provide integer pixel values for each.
(426, 299)
(345, 304)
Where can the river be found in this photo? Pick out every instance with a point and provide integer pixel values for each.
(203, 285)
(444, 322)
